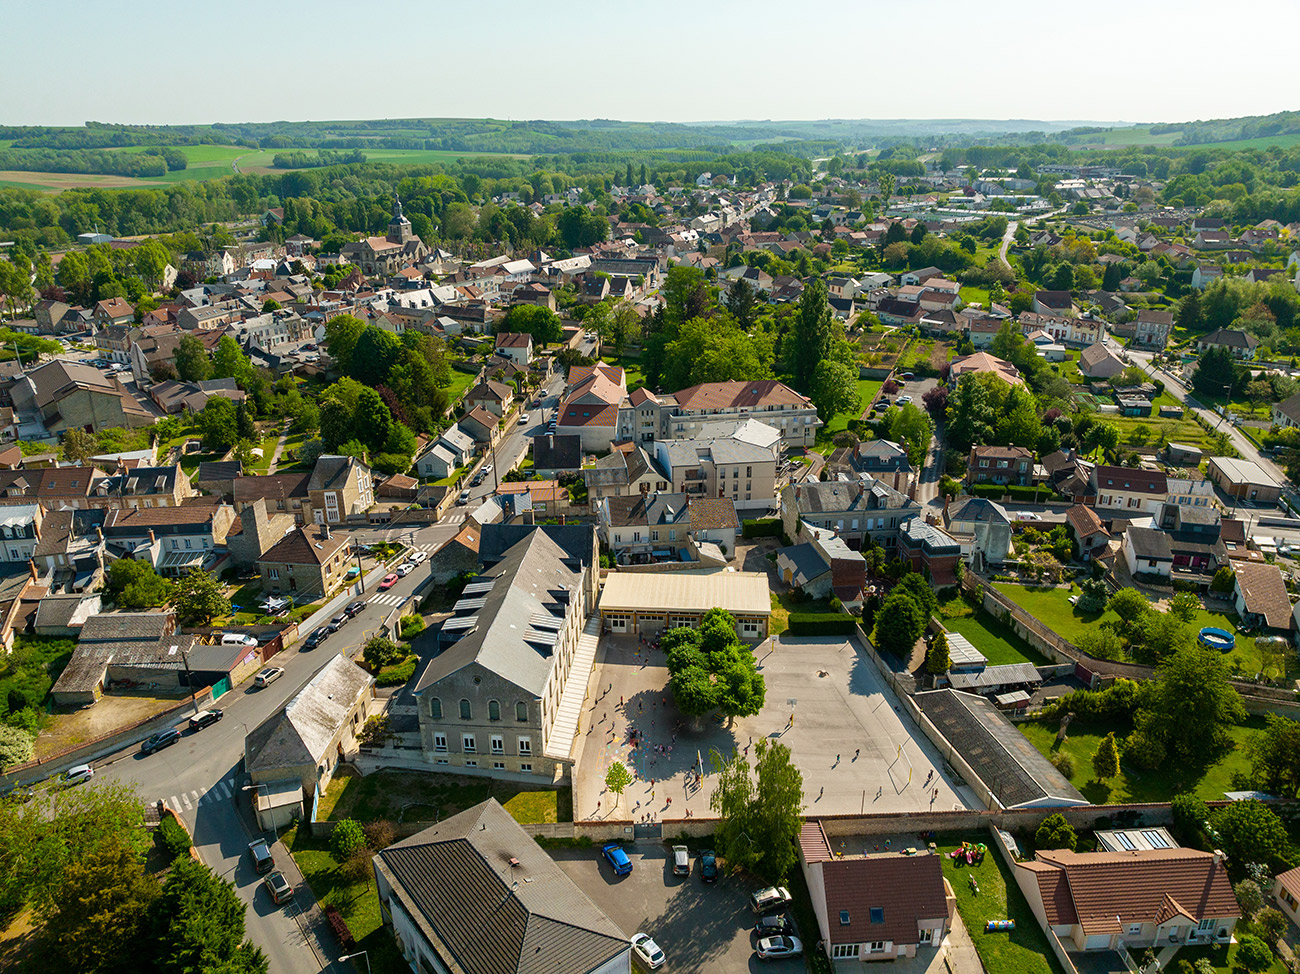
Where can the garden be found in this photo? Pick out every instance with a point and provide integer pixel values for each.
(991, 636)
(410, 796)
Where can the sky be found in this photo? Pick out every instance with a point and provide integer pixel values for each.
(143, 61)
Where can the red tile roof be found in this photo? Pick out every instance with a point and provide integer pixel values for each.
(734, 395)
(902, 889)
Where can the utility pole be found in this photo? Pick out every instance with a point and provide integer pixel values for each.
(189, 680)
(356, 550)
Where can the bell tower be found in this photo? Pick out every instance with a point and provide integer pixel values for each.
(399, 228)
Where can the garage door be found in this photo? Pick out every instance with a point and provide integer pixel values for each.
(1099, 942)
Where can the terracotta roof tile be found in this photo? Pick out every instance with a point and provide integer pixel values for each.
(884, 897)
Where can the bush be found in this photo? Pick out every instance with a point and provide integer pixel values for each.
(1253, 954)
(1054, 832)
(346, 838)
(411, 626)
(1190, 817)
(395, 676)
(173, 837)
(1144, 750)
(1018, 492)
(1064, 763)
(1116, 703)
(821, 623)
(380, 652)
(379, 833)
(764, 527)
(340, 928)
(16, 746)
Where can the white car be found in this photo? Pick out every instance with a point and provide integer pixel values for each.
(419, 556)
(1028, 516)
(523, 419)
(404, 569)
(77, 774)
(903, 400)
(647, 951)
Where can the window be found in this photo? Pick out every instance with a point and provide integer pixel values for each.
(654, 535)
(471, 763)
(526, 766)
(175, 544)
(187, 542)
(465, 712)
(440, 742)
(498, 765)
(525, 746)
(1205, 925)
(498, 744)
(844, 918)
(844, 950)
(275, 574)
(877, 914)
(1134, 929)
(521, 711)
(442, 761)
(467, 744)
(876, 947)
(494, 710)
(435, 708)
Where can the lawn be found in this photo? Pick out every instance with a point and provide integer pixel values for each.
(1164, 430)
(995, 639)
(1222, 956)
(386, 793)
(460, 381)
(454, 478)
(1022, 951)
(784, 604)
(974, 295)
(867, 390)
(356, 901)
(1134, 785)
(1051, 607)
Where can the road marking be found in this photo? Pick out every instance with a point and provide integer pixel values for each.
(186, 800)
(173, 804)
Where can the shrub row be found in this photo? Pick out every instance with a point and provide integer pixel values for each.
(340, 928)
(1018, 491)
(764, 527)
(822, 623)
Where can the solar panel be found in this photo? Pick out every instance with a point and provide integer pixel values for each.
(469, 605)
(460, 623)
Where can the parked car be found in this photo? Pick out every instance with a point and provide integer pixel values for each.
(17, 793)
(708, 866)
(647, 951)
(263, 861)
(317, 637)
(205, 717)
(404, 569)
(278, 887)
(354, 608)
(418, 556)
(339, 621)
(771, 926)
(76, 775)
(904, 400)
(681, 861)
(238, 639)
(268, 676)
(772, 948)
(617, 858)
(772, 898)
(523, 419)
(487, 469)
(164, 738)
(463, 498)
(388, 581)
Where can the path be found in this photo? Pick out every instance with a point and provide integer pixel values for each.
(1006, 240)
(279, 449)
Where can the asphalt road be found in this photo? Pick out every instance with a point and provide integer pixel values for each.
(199, 776)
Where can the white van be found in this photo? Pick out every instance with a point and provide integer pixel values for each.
(237, 639)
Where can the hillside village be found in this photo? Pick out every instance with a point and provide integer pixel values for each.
(960, 495)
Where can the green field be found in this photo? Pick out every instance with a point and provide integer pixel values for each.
(992, 637)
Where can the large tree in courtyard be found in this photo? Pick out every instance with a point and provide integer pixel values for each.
(759, 813)
(711, 669)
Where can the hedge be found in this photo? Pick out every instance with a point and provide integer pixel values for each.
(340, 928)
(822, 623)
(1016, 491)
(764, 527)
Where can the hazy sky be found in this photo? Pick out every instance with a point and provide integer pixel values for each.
(66, 61)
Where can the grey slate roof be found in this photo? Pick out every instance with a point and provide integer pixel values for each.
(302, 732)
(806, 561)
(1150, 543)
(526, 583)
(576, 540)
(977, 509)
(479, 886)
(558, 452)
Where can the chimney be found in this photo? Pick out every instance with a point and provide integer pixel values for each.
(31, 568)
(152, 536)
(564, 519)
(861, 487)
(798, 493)
(1219, 857)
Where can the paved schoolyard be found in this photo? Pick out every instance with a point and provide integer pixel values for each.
(856, 751)
(699, 926)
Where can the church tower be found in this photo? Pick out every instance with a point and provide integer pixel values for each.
(399, 228)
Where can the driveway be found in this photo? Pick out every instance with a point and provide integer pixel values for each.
(699, 927)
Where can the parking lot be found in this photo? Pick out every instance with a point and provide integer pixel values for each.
(699, 926)
(856, 751)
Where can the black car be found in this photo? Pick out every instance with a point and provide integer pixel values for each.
(354, 609)
(205, 717)
(263, 861)
(317, 637)
(775, 925)
(162, 739)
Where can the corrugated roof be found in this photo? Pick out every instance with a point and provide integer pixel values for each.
(744, 592)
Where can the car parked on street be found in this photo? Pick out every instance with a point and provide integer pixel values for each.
(338, 621)
(388, 581)
(278, 887)
(463, 498)
(77, 774)
(268, 676)
(205, 717)
(772, 898)
(354, 609)
(647, 951)
(164, 738)
(418, 556)
(681, 861)
(617, 858)
(404, 569)
(773, 948)
(317, 637)
(260, 852)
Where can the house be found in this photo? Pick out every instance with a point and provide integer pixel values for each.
(1151, 328)
(987, 750)
(143, 487)
(309, 563)
(1000, 465)
(649, 602)
(627, 469)
(495, 397)
(984, 362)
(20, 531)
(511, 646)
(824, 567)
(883, 460)
(477, 895)
(1286, 893)
(874, 906)
(1053, 302)
(295, 751)
(1205, 274)
(1098, 900)
(1099, 362)
(113, 311)
(766, 400)
(1287, 412)
(646, 527)
(172, 539)
(555, 455)
(918, 277)
(1260, 596)
(591, 410)
(61, 395)
(56, 488)
(982, 527)
(339, 488)
(458, 555)
(930, 550)
(1148, 552)
(1127, 489)
(515, 346)
(1088, 530)
(861, 512)
(122, 645)
(1244, 479)
(1241, 345)
(282, 493)
(726, 466)
(255, 531)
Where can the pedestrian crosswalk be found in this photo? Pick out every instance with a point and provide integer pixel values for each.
(386, 598)
(426, 547)
(187, 801)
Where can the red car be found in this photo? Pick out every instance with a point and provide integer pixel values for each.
(389, 581)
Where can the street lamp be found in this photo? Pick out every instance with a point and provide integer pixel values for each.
(359, 953)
